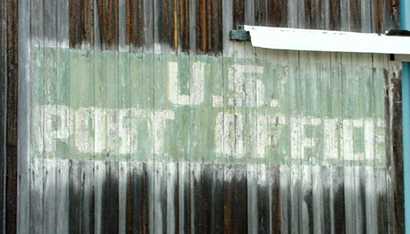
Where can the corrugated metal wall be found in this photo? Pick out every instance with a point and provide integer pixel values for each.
(91, 59)
(202, 25)
(8, 115)
(3, 65)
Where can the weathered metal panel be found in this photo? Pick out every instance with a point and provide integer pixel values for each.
(306, 114)
(8, 115)
(145, 118)
(198, 24)
(3, 113)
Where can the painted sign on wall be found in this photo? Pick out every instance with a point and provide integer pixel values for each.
(116, 105)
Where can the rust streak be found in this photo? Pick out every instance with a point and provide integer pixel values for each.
(203, 25)
(378, 15)
(129, 5)
(183, 25)
(335, 15)
(238, 12)
(175, 20)
(355, 12)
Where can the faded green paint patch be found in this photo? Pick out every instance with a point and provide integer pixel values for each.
(297, 108)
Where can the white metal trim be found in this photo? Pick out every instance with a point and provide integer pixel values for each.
(326, 41)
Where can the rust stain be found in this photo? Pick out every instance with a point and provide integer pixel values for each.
(9, 77)
(130, 14)
(81, 23)
(378, 15)
(277, 12)
(227, 209)
(238, 12)
(134, 22)
(108, 22)
(215, 26)
(165, 24)
(334, 15)
(183, 33)
(88, 21)
(355, 16)
(260, 12)
(276, 201)
(203, 31)
(175, 21)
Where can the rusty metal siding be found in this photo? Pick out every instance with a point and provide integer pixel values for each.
(394, 116)
(3, 114)
(8, 115)
(176, 21)
(111, 56)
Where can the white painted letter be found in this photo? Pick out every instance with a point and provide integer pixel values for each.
(228, 134)
(196, 95)
(57, 126)
(331, 150)
(158, 120)
(268, 132)
(298, 139)
(248, 91)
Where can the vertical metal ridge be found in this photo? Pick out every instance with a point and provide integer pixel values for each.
(23, 119)
(405, 24)
(3, 114)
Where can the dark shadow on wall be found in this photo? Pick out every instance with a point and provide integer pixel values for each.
(395, 151)
(8, 115)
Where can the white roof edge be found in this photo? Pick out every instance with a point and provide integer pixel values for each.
(326, 41)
